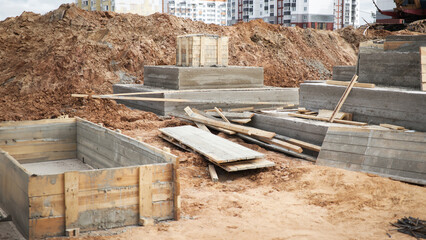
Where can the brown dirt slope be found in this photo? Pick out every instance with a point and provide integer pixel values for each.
(45, 58)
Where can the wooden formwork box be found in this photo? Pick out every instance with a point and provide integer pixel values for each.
(201, 50)
(131, 183)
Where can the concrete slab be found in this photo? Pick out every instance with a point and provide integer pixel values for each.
(176, 77)
(373, 105)
(343, 73)
(222, 98)
(56, 167)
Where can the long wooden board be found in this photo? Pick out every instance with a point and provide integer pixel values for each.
(326, 120)
(216, 149)
(346, 83)
(423, 68)
(343, 98)
(247, 165)
(232, 127)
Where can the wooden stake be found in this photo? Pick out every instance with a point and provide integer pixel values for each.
(221, 115)
(343, 98)
(213, 173)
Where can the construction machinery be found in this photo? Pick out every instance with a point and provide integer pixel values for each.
(406, 11)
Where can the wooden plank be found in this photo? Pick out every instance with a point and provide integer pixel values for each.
(39, 148)
(145, 195)
(282, 144)
(176, 193)
(233, 127)
(179, 100)
(36, 122)
(44, 156)
(202, 50)
(233, 115)
(187, 52)
(179, 43)
(423, 68)
(241, 121)
(219, 51)
(390, 126)
(300, 143)
(343, 98)
(241, 109)
(71, 180)
(97, 179)
(247, 165)
(216, 149)
(326, 120)
(346, 83)
(96, 199)
(324, 113)
(41, 228)
(221, 115)
(229, 132)
(213, 174)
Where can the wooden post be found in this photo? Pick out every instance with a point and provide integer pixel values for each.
(343, 98)
(202, 57)
(176, 197)
(179, 43)
(423, 68)
(187, 52)
(219, 51)
(213, 173)
(145, 195)
(71, 181)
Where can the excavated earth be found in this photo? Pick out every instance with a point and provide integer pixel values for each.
(46, 58)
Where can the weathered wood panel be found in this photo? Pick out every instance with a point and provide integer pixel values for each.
(395, 154)
(14, 191)
(217, 149)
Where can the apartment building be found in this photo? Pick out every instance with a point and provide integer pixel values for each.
(302, 13)
(96, 5)
(142, 7)
(208, 11)
(346, 13)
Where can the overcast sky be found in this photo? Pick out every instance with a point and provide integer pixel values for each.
(12, 8)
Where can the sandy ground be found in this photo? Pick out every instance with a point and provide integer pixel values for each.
(293, 200)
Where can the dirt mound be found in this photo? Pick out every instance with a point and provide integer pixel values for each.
(45, 58)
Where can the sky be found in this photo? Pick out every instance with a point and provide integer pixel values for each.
(13, 8)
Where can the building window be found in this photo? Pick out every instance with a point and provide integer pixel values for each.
(305, 9)
(304, 25)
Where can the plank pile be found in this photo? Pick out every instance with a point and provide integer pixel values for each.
(325, 115)
(226, 154)
(411, 226)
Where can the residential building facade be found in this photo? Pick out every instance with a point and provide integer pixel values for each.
(302, 13)
(208, 11)
(142, 7)
(346, 13)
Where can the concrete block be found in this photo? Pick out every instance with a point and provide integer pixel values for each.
(222, 98)
(390, 68)
(343, 73)
(373, 105)
(175, 77)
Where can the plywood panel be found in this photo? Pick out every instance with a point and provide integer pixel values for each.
(217, 149)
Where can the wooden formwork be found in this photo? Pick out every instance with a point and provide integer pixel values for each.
(204, 50)
(131, 182)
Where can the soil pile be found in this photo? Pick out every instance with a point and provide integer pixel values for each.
(45, 58)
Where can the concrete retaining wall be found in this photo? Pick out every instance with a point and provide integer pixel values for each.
(393, 154)
(343, 73)
(223, 98)
(174, 77)
(372, 105)
(390, 68)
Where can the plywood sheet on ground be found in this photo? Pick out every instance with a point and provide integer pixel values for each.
(216, 149)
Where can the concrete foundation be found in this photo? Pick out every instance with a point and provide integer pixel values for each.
(222, 98)
(390, 68)
(175, 77)
(373, 105)
(343, 73)
(406, 43)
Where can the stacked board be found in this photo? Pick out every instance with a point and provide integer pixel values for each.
(224, 153)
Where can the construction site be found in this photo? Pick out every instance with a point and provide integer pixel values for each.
(121, 126)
